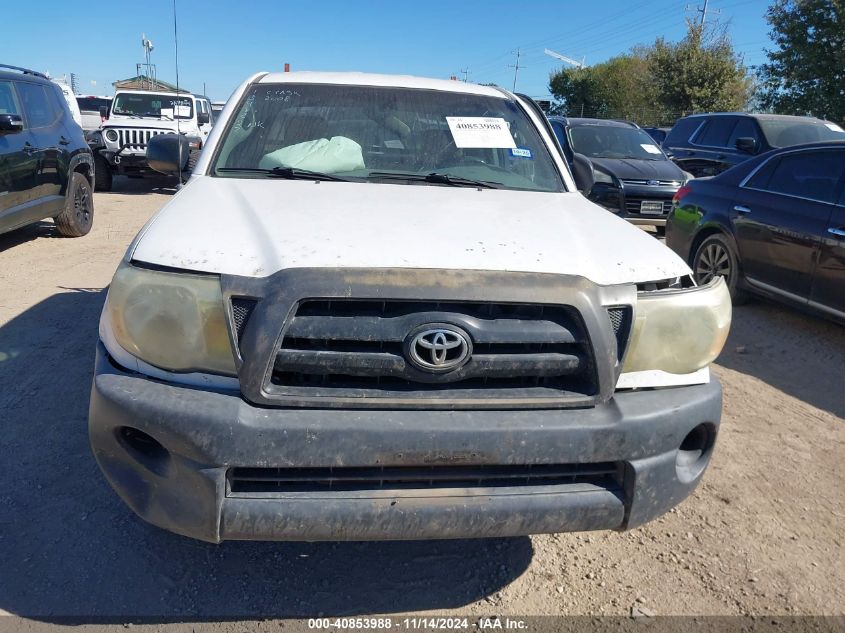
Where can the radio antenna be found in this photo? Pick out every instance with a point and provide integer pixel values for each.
(176, 104)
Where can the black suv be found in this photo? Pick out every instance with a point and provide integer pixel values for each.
(620, 167)
(46, 167)
(708, 144)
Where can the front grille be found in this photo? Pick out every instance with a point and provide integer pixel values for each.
(137, 138)
(241, 311)
(359, 349)
(653, 183)
(620, 319)
(632, 205)
(398, 478)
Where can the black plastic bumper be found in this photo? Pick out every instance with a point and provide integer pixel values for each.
(183, 486)
(127, 164)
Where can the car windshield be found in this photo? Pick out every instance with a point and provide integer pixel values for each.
(787, 132)
(385, 134)
(153, 105)
(610, 141)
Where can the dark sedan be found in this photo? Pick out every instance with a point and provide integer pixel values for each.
(617, 165)
(773, 225)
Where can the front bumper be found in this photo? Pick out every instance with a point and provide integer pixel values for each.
(123, 162)
(185, 486)
(626, 202)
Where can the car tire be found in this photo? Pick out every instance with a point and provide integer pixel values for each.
(77, 217)
(193, 159)
(102, 174)
(716, 257)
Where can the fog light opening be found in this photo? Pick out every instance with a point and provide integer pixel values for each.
(694, 452)
(146, 450)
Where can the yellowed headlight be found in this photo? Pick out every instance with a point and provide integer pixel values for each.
(174, 321)
(680, 331)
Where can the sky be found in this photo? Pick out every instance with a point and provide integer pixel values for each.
(221, 43)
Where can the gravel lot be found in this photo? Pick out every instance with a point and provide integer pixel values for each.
(762, 535)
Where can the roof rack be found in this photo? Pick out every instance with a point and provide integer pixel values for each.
(25, 71)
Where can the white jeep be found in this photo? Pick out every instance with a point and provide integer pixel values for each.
(136, 116)
(381, 309)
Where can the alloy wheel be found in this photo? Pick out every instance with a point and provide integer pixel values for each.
(713, 261)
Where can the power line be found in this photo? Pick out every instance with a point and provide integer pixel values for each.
(465, 73)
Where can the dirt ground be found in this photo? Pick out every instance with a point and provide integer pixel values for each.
(763, 534)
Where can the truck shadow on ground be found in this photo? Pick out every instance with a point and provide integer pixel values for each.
(70, 548)
(167, 185)
(798, 353)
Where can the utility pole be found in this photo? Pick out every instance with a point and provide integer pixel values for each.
(465, 73)
(516, 68)
(703, 11)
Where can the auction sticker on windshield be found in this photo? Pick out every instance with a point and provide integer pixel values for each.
(480, 132)
(651, 149)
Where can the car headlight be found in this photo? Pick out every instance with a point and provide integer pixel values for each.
(111, 135)
(680, 331)
(174, 321)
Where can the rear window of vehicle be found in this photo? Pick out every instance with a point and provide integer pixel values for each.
(787, 132)
(682, 131)
(92, 104)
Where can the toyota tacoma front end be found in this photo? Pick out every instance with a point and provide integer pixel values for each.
(380, 310)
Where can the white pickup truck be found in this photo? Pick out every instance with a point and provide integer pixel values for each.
(381, 309)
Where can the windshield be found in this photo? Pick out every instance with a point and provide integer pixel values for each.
(787, 132)
(153, 105)
(610, 141)
(378, 134)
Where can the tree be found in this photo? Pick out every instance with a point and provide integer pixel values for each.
(653, 85)
(619, 88)
(805, 73)
(701, 73)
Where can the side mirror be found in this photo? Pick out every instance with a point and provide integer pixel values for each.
(583, 173)
(203, 118)
(168, 153)
(104, 112)
(10, 123)
(747, 145)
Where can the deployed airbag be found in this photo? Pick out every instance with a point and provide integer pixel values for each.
(333, 155)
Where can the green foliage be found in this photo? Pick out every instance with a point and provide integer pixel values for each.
(701, 73)
(805, 73)
(653, 85)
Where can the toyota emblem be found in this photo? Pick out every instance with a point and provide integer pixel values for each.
(438, 349)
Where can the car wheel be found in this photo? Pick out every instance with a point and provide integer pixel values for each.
(78, 215)
(102, 174)
(716, 257)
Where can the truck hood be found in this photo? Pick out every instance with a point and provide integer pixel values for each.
(255, 227)
(144, 123)
(638, 169)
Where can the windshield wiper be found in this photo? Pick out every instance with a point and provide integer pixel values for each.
(290, 173)
(435, 178)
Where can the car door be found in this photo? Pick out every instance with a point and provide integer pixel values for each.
(829, 280)
(782, 211)
(710, 154)
(49, 138)
(18, 165)
(746, 127)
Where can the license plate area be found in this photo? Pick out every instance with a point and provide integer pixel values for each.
(651, 207)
